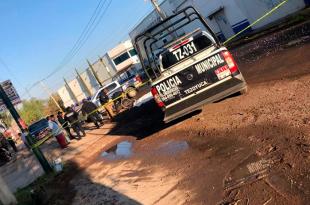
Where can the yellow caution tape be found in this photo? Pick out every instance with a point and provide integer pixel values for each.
(257, 21)
(40, 142)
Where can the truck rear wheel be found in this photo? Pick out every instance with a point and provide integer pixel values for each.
(243, 91)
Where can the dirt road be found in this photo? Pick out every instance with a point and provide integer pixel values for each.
(249, 149)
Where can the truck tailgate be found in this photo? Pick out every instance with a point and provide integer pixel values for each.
(192, 79)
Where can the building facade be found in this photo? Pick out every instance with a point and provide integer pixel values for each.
(225, 17)
(86, 83)
(116, 61)
(123, 56)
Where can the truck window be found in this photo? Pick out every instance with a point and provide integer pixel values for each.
(110, 87)
(38, 125)
(172, 56)
(126, 75)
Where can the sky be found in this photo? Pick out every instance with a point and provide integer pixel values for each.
(36, 35)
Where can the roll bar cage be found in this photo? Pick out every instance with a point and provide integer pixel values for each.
(170, 25)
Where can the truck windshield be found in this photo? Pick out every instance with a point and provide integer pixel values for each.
(184, 50)
(110, 87)
(37, 126)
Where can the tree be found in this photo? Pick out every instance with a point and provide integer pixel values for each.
(51, 107)
(6, 118)
(32, 110)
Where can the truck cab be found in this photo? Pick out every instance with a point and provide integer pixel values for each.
(187, 64)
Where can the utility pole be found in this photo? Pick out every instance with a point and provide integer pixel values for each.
(44, 86)
(162, 16)
(84, 84)
(22, 126)
(158, 9)
(6, 196)
(94, 73)
(6, 100)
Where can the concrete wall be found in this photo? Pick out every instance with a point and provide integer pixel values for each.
(78, 89)
(104, 70)
(65, 96)
(90, 80)
(108, 62)
(254, 9)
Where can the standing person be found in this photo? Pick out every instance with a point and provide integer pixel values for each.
(73, 118)
(104, 101)
(90, 110)
(3, 142)
(64, 123)
(52, 118)
(24, 139)
(10, 140)
(103, 97)
(56, 132)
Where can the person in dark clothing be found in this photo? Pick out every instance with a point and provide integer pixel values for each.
(90, 110)
(64, 123)
(3, 142)
(10, 140)
(5, 155)
(73, 118)
(103, 97)
(12, 143)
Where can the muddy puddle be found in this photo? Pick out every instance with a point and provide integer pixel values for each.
(172, 148)
(124, 150)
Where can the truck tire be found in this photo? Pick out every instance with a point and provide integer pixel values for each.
(243, 91)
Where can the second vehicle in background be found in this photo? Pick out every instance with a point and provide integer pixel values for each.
(132, 77)
(39, 129)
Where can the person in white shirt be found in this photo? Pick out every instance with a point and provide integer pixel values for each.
(24, 139)
(57, 132)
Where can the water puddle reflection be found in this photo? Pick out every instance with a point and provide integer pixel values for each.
(123, 150)
(120, 150)
(173, 147)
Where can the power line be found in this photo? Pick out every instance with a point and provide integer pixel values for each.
(93, 28)
(86, 33)
(112, 38)
(81, 40)
(123, 27)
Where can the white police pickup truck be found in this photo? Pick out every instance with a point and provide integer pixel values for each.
(187, 64)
